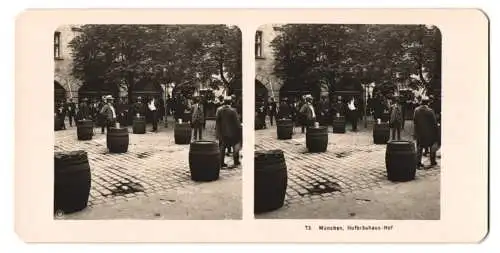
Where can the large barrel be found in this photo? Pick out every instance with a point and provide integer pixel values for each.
(71, 181)
(400, 161)
(84, 129)
(204, 160)
(182, 133)
(338, 124)
(117, 140)
(270, 180)
(317, 139)
(284, 128)
(57, 123)
(139, 125)
(381, 133)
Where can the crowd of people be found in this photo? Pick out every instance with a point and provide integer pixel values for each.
(108, 111)
(393, 110)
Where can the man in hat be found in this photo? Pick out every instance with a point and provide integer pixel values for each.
(70, 109)
(425, 131)
(353, 109)
(272, 107)
(108, 112)
(324, 110)
(339, 108)
(83, 110)
(307, 112)
(228, 131)
(197, 118)
(284, 111)
(139, 107)
(395, 119)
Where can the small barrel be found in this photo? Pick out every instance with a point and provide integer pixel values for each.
(259, 124)
(182, 133)
(338, 125)
(204, 161)
(84, 129)
(381, 133)
(117, 140)
(71, 181)
(401, 161)
(57, 123)
(139, 125)
(270, 180)
(317, 139)
(284, 128)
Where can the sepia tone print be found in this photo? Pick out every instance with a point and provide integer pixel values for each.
(347, 121)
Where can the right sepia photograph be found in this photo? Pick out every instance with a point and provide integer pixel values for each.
(347, 121)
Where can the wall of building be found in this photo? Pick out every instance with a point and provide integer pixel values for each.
(64, 64)
(264, 65)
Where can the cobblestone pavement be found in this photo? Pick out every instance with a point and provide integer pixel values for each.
(351, 163)
(152, 165)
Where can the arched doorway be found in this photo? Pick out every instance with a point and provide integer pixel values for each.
(59, 92)
(261, 93)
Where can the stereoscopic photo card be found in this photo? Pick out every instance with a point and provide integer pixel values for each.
(361, 125)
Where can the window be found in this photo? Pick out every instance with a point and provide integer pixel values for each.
(57, 45)
(258, 44)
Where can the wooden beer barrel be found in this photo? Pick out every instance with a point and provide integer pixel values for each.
(381, 133)
(57, 123)
(317, 139)
(284, 128)
(117, 140)
(84, 129)
(139, 125)
(71, 181)
(182, 133)
(204, 160)
(338, 124)
(401, 161)
(270, 180)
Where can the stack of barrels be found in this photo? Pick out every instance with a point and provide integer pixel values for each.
(139, 125)
(117, 140)
(284, 128)
(71, 181)
(182, 133)
(401, 161)
(204, 161)
(270, 180)
(317, 139)
(85, 129)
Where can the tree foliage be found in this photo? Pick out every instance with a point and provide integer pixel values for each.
(127, 55)
(308, 54)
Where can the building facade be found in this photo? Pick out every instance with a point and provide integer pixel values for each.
(266, 83)
(65, 85)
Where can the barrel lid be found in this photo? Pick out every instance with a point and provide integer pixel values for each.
(263, 154)
(70, 155)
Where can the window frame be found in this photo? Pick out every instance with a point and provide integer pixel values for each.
(57, 45)
(259, 45)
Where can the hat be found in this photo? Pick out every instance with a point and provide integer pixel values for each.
(308, 96)
(139, 98)
(108, 97)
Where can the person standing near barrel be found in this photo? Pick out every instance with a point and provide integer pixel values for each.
(284, 111)
(153, 108)
(272, 110)
(83, 110)
(108, 113)
(353, 113)
(338, 108)
(425, 131)
(61, 114)
(197, 119)
(228, 131)
(324, 109)
(395, 120)
(307, 113)
(70, 108)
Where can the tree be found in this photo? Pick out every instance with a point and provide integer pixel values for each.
(128, 55)
(385, 54)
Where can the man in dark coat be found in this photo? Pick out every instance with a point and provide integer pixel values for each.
(108, 112)
(197, 118)
(338, 108)
(324, 111)
(284, 111)
(139, 108)
(228, 131)
(307, 113)
(84, 110)
(425, 131)
(70, 108)
(272, 110)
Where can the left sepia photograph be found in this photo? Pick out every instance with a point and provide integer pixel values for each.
(148, 122)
